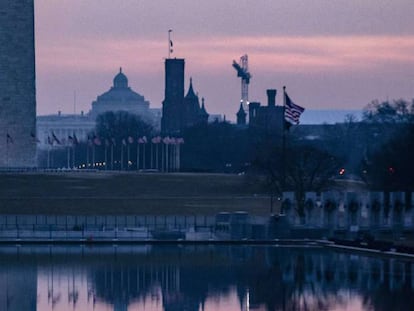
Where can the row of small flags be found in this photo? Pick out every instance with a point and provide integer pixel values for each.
(10, 140)
(95, 140)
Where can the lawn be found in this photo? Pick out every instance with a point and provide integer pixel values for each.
(109, 193)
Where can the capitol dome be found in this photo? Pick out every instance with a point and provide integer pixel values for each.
(120, 80)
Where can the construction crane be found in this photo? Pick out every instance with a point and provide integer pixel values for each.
(242, 69)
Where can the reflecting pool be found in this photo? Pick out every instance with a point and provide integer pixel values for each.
(200, 277)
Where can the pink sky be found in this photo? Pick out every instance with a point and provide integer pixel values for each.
(329, 56)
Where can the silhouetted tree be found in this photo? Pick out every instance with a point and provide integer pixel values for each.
(304, 168)
(391, 167)
(389, 164)
(120, 125)
(398, 111)
(218, 147)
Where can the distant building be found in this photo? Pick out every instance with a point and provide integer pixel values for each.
(17, 84)
(179, 112)
(63, 126)
(121, 97)
(268, 119)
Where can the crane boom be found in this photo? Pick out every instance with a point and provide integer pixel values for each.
(242, 69)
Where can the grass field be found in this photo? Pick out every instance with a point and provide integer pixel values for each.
(109, 193)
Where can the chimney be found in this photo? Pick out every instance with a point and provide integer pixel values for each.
(271, 98)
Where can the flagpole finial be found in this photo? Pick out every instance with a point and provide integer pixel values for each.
(284, 88)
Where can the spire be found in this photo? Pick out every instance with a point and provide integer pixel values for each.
(241, 111)
(191, 93)
(203, 114)
(241, 115)
(203, 108)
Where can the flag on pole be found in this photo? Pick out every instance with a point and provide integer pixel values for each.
(70, 139)
(34, 138)
(130, 140)
(292, 111)
(49, 140)
(97, 141)
(75, 139)
(156, 140)
(55, 139)
(9, 139)
(124, 141)
(171, 43)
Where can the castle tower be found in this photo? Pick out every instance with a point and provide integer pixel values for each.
(172, 106)
(17, 84)
(241, 116)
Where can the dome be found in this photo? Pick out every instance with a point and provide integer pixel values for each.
(120, 80)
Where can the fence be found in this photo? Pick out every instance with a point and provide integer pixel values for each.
(128, 227)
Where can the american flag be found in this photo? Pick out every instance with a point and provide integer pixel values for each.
(75, 139)
(156, 140)
(292, 111)
(97, 140)
(55, 139)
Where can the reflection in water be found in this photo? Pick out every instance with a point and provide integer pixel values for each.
(194, 278)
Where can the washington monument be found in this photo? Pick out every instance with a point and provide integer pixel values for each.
(17, 84)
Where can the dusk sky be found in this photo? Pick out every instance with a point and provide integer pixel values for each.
(331, 54)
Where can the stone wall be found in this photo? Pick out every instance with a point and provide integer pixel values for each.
(17, 84)
(353, 211)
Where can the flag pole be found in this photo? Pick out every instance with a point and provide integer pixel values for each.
(73, 155)
(7, 150)
(143, 156)
(169, 43)
(48, 155)
(283, 145)
(128, 156)
(152, 156)
(106, 155)
(162, 156)
(68, 156)
(138, 154)
(112, 156)
(87, 154)
(122, 155)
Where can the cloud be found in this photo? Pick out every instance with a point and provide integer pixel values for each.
(284, 54)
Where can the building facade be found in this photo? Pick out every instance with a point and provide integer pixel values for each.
(17, 84)
(179, 111)
(120, 97)
(63, 126)
(268, 120)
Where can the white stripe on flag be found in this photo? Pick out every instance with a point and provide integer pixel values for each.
(292, 111)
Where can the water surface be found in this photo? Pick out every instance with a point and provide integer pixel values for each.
(126, 278)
